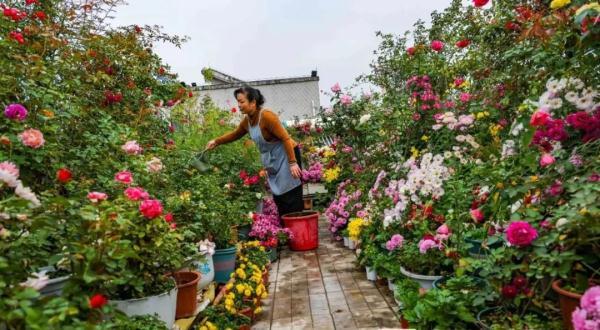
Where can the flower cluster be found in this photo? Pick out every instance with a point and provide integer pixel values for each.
(422, 94)
(248, 180)
(314, 173)
(131, 148)
(448, 119)
(395, 242)
(331, 174)
(339, 211)
(588, 316)
(266, 226)
(355, 226)
(9, 175)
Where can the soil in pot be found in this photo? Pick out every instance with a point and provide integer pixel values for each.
(501, 318)
(187, 290)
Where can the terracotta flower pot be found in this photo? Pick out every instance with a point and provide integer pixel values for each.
(187, 290)
(568, 302)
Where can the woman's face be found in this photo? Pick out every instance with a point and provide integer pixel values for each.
(245, 106)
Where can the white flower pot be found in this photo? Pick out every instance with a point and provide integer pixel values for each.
(371, 274)
(391, 286)
(346, 241)
(351, 244)
(425, 281)
(206, 268)
(163, 304)
(55, 286)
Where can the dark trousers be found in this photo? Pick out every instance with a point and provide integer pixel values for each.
(291, 201)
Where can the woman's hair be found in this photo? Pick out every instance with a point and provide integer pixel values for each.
(252, 94)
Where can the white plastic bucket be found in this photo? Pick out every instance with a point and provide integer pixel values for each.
(425, 281)
(371, 274)
(206, 268)
(163, 304)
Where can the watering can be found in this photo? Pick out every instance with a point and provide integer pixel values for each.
(200, 163)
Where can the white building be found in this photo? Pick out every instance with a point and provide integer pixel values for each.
(296, 97)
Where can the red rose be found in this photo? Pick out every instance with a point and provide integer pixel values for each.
(243, 175)
(411, 51)
(97, 301)
(63, 175)
(161, 70)
(463, 43)
(233, 110)
(437, 45)
(509, 291)
(539, 118)
(512, 26)
(173, 226)
(480, 3)
(190, 94)
(169, 217)
(520, 281)
(39, 15)
(17, 36)
(137, 29)
(151, 208)
(29, 2)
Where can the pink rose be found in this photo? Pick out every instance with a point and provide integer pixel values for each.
(426, 244)
(136, 194)
(520, 233)
(539, 118)
(132, 148)
(32, 138)
(95, 196)
(411, 51)
(477, 215)
(336, 88)
(480, 3)
(151, 208)
(346, 99)
(465, 97)
(437, 45)
(124, 177)
(443, 230)
(546, 160)
(10, 168)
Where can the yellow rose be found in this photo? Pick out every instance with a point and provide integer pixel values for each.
(557, 4)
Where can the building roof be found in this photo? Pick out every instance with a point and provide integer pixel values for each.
(225, 81)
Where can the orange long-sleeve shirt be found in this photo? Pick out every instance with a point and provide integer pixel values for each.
(271, 130)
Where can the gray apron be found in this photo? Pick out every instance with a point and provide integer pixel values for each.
(275, 161)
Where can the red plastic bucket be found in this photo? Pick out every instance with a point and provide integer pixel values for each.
(305, 230)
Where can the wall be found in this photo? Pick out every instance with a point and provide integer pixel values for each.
(288, 97)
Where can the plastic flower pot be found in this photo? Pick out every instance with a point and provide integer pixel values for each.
(568, 301)
(483, 313)
(305, 230)
(371, 273)
(425, 281)
(273, 254)
(163, 305)
(439, 283)
(243, 232)
(351, 244)
(477, 250)
(55, 286)
(206, 268)
(308, 203)
(391, 285)
(346, 241)
(224, 261)
(187, 290)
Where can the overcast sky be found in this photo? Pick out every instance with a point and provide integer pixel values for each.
(256, 39)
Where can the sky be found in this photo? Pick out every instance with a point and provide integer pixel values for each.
(261, 39)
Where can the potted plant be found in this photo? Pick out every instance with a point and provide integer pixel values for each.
(129, 249)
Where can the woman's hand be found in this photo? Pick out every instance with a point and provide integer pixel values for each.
(295, 169)
(211, 145)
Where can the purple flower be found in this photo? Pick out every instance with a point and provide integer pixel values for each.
(15, 111)
(588, 316)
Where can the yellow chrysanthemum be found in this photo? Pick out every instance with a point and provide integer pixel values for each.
(557, 4)
(258, 310)
(414, 152)
(264, 295)
(355, 226)
(247, 293)
(331, 174)
(240, 288)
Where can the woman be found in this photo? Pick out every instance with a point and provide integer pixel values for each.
(279, 154)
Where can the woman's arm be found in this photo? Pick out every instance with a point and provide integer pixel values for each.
(234, 135)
